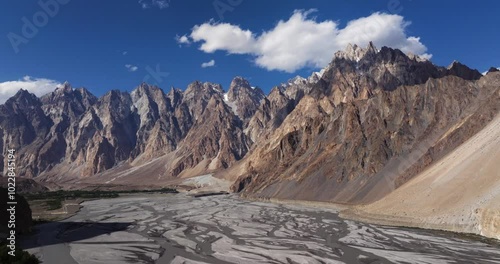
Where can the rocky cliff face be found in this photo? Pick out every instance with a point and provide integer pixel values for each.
(25, 127)
(243, 99)
(375, 119)
(270, 114)
(351, 133)
(157, 132)
(71, 132)
(216, 140)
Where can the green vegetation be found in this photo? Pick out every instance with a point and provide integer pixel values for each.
(40, 221)
(64, 195)
(21, 257)
(53, 204)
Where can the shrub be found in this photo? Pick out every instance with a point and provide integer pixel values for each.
(21, 256)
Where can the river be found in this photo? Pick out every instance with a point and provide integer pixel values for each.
(177, 228)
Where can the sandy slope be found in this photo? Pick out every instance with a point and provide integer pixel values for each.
(461, 192)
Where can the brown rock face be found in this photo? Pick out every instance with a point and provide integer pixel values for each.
(464, 72)
(24, 127)
(243, 99)
(157, 133)
(369, 125)
(278, 104)
(216, 139)
(270, 114)
(71, 132)
(104, 135)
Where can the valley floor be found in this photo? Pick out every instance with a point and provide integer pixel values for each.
(226, 229)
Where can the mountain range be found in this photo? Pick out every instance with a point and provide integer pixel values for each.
(369, 123)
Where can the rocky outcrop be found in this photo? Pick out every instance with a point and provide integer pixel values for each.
(493, 69)
(24, 127)
(270, 114)
(243, 98)
(157, 132)
(278, 104)
(462, 71)
(216, 140)
(373, 121)
(71, 132)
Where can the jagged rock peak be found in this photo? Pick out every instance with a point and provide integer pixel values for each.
(23, 98)
(455, 63)
(66, 93)
(174, 91)
(458, 69)
(175, 96)
(297, 80)
(492, 69)
(241, 87)
(355, 53)
(87, 95)
(239, 81)
(148, 91)
(416, 57)
(144, 87)
(316, 76)
(198, 86)
(114, 96)
(276, 91)
(64, 88)
(62, 91)
(243, 99)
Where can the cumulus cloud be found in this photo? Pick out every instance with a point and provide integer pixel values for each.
(131, 68)
(208, 64)
(182, 39)
(224, 36)
(161, 4)
(38, 86)
(302, 41)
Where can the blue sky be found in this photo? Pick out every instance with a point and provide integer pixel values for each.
(113, 44)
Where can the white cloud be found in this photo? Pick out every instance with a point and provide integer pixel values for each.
(301, 41)
(208, 64)
(161, 4)
(182, 39)
(131, 68)
(38, 86)
(125, 52)
(223, 36)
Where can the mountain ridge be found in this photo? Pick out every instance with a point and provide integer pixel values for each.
(366, 110)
